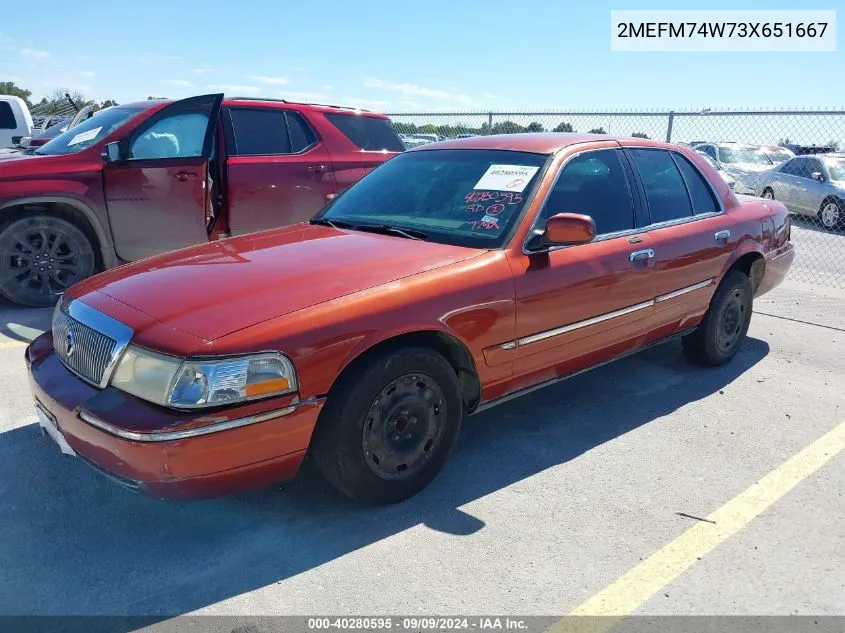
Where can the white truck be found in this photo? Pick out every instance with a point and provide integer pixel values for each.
(15, 121)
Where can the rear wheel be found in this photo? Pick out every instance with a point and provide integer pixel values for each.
(387, 431)
(832, 214)
(40, 257)
(722, 331)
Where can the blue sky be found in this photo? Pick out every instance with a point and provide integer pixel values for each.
(396, 56)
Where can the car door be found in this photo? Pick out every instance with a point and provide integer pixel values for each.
(689, 234)
(156, 189)
(810, 192)
(278, 171)
(783, 182)
(579, 305)
(795, 179)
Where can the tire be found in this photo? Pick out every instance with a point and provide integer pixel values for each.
(768, 194)
(720, 335)
(357, 444)
(831, 214)
(40, 257)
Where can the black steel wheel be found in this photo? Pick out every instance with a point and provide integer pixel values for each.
(720, 335)
(389, 424)
(40, 257)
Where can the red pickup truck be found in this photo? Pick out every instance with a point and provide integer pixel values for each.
(144, 178)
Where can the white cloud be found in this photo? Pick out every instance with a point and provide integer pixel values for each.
(204, 71)
(294, 95)
(361, 102)
(235, 89)
(86, 73)
(34, 53)
(270, 81)
(414, 90)
(413, 105)
(179, 83)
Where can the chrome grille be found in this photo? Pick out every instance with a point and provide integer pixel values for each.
(84, 350)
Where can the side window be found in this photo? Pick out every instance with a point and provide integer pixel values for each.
(814, 165)
(7, 116)
(259, 132)
(301, 135)
(789, 167)
(800, 168)
(709, 150)
(594, 184)
(703, 200)
(664, 188)
(177, 136)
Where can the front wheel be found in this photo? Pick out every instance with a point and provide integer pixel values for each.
(40, 257)
(722, 331)
(831, 214)
(386, 431)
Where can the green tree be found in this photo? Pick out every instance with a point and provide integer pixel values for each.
(108, 103)
(636, 134)
(598, 130)
(833, 145)
(563, 126)
(534, 126)
(9, 88)
(507, 127)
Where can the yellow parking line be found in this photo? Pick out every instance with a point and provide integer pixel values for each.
(13, 344)
(632, 589)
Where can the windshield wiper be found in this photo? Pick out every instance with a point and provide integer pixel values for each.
(412, 234)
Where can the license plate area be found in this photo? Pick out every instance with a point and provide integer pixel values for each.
(47, 422)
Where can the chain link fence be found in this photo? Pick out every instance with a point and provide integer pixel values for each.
(788, 155)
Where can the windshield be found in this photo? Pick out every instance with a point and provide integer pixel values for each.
(751, 156)
(836, 167)
(464, 197)
(88, 132)
(778, 157)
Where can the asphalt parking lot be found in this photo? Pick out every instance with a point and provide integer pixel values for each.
(547, 501)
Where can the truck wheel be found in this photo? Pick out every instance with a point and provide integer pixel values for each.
(40, 257)
(386, 431)
(720, 334)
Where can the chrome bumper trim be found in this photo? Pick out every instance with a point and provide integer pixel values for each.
(169, 436)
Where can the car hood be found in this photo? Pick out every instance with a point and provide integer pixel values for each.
(15, 165)
(747, 167)
(218, 288)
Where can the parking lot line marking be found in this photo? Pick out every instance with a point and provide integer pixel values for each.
(13, 344)
(636, 586)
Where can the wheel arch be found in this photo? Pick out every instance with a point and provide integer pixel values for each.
(69, 208)
(452, 348)
(749, 259)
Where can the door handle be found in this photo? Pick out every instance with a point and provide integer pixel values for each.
(638, 256)
(722, 235)
(182, 176)
(318, 169)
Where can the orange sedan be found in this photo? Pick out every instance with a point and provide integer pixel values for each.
(453, 277)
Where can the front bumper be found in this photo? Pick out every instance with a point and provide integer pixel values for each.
(128, 439)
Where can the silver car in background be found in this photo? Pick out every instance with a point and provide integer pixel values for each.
(810, 185)
(729, 180)
(744, 162)
(777, 154)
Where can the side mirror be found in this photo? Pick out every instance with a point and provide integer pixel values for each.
(111, 152)
(569, 228)
(817, 175)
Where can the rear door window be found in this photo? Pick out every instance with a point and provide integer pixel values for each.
(367, 133)
(301, 135)
(259, 132)
(703, 200)
(664, 187)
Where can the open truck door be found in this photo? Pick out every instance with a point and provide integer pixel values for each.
(156, 179)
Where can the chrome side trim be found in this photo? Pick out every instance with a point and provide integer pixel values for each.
(683, 291)
(168, 436)
(547, 383)
(533, 338)
(119, 332)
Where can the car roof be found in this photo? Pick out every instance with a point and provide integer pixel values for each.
(535, 142)
(257, 102)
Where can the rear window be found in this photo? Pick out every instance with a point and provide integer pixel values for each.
(7, 117)
(368, 133)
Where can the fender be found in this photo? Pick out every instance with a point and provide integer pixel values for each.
(103, 234)
(744, 247)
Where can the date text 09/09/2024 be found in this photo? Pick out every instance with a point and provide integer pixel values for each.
(418, 623)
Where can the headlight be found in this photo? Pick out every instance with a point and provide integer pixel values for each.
(174, 382)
